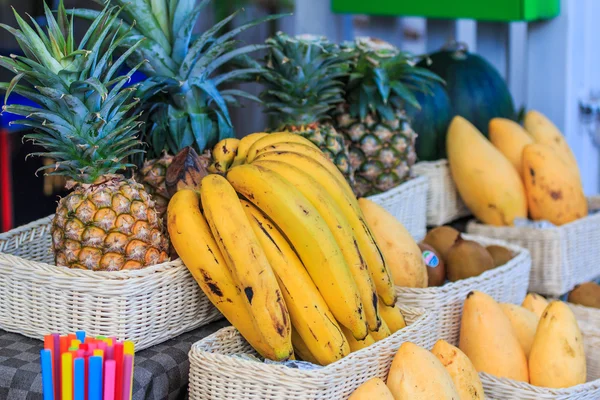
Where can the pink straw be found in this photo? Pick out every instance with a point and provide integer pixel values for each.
(109, 379)
(127, 371)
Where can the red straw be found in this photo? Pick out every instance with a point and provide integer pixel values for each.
(118, 356)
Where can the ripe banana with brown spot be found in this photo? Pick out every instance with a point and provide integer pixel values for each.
(367, 244)
(311, 318)
(381, 333)
(341, 230)
(224, 153)
(275, 138)
(392, 316)
(355, 344)
(301, 349)
(245, 143)
(247, 262)
(193, 240)
(309, 235)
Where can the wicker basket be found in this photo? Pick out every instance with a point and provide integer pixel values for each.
(588, 318)
(507, 283)
(562, 257)
(507, 389)
(215, 374)
(408, 203)
(443, 201)
(146, 306)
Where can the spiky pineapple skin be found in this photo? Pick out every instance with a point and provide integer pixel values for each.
(381, 152)
(108, 226)
(152, 175)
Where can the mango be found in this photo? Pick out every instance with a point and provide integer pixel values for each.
(557, 358)
(373, 389)
(535, 303)
(461, 370)
(487, 182)
(488, 339)
(510, 138)
(545, 132)
(524, 323)
(417, 374)
(554, 193)
(401, 252)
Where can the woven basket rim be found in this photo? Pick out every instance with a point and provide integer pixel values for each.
(424, 317)
(416, 181)
(522, 255)
(47, 268)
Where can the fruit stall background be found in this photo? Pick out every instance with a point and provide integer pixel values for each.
(550, 65)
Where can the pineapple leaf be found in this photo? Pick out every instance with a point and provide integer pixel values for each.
(239, 93)
(383, 83)
(232, 54)
(212, 92)
(13, 83)
(405, 94)
(161, 12)
(55, 33)
(243, 74)
(180, 10)
(202, 128)
(225, 128)
(146, 22)
(184, 34)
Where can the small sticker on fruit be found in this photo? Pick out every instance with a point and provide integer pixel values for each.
(431, 260)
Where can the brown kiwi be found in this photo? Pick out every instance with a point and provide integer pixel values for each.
(467, 258)
(501, 255)
(436, 271)
(441, 239)
(587, 294)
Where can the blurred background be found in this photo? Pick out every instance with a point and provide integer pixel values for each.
(546, 50)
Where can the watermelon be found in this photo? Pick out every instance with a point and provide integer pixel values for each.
(476, 90)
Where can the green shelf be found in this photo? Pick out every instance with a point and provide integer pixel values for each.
(486, 10)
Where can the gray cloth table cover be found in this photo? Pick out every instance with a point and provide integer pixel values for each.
(160, 373)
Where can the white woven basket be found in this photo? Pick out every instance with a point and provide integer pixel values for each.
(218, 375)
(507, 284)
(408, 203)
(562, 256)
(443, 201)
(588, 318)
(147, 306)
(508, 389)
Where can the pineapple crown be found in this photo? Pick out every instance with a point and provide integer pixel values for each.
(383, 79)
(83, 122)
(305, 79)
(183, 98)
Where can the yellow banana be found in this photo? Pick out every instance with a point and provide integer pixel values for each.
(351, 210)
(245, 143)
(309, 235)
(310, 316)
(275, 138)
(392, 316)
(355, 344)
(302, 350)
(223, 153)
(193, 240)
(381, 333)
(340, 228)
(247, 262)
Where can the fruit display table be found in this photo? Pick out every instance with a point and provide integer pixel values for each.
(160, 372)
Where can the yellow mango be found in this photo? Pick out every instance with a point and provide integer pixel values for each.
(510, 138)
(535, 303)
(554, 193)
(373, 389)
(524, 323)
(543, 131)
(487, 182)
(487, 338)
(402, 254)
(557, 358)
(417, 374)
(461, 369)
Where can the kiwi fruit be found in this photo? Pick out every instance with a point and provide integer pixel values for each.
(441, 239)
(436, 271)
(587, 294)
(501, 255)
(466, 259)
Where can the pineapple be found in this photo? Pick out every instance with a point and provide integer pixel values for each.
(304, 83)
(183, 100)
(372, 119)
(84, 123)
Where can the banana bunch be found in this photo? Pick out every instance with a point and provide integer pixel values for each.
(277, 241)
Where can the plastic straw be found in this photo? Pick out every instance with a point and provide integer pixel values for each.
(127, 376)
(95, 379)
(110, 353)
(80, 336)
(99, 353)
(47, 383)
(56, 365)
(79, 391)
(118, 356)
(67, 376)
(109, 380)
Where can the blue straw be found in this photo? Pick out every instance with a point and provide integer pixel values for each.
(79, 379)
(95, 378)
(80, 336)
(47, 384)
